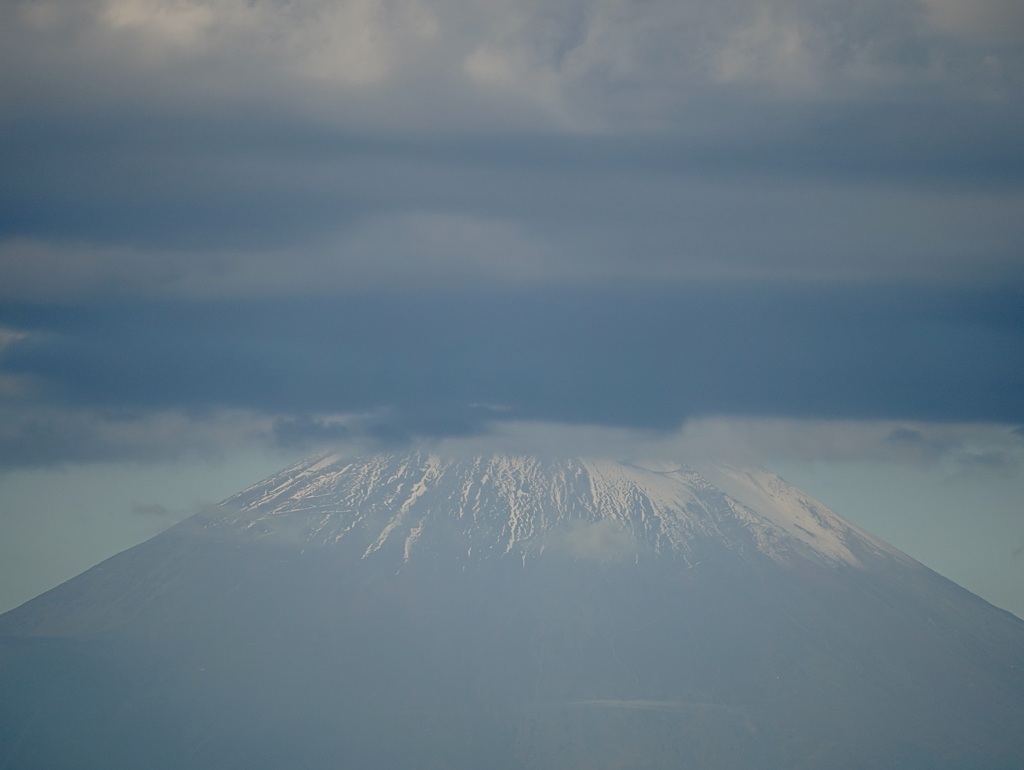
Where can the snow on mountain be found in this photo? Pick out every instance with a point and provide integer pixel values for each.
(520, 506)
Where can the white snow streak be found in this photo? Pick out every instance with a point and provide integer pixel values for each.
(515, 506)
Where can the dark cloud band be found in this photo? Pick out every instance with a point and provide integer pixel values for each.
(633, 358)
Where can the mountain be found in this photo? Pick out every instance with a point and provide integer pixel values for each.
(445, 611)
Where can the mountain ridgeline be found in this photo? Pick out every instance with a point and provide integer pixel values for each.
(432, 611)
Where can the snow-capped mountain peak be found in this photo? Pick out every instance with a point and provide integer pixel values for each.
(517, 506)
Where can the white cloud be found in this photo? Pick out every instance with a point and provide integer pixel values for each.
(179, 23)
(359, 42)
(350, 43)
(768, 49)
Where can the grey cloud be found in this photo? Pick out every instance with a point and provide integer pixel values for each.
(959, 452)
(905, 435)
(196, 149)
(308, 431)
(9, 337)
(982, 21)
(435, 215)
(565, 66)
(382, 427)
(35, 433)
(995, 460)
(912, 443)
(418, 362)
(568, 64)
(982, 450)
(586, 212)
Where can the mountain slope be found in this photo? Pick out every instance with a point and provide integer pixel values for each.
(506, 611)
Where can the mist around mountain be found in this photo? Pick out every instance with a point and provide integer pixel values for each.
(417, 610)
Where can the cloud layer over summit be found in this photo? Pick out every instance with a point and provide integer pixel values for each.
(419, 217)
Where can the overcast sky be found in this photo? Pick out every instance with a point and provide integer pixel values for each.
(785, 232)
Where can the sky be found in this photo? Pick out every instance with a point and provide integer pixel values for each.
(782, 232)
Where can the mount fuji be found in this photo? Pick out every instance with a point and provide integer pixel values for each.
(435, 610)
